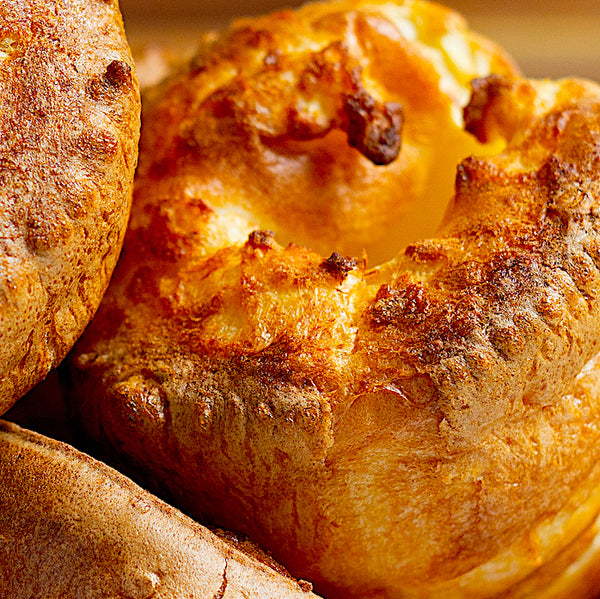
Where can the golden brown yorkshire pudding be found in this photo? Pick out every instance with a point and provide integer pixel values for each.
(425, 427)
(72, 527)
(69, 126)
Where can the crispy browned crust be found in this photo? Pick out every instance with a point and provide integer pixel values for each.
(384, 430)
(69, 126)
(72, 527)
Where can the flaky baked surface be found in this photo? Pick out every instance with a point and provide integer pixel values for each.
(69, 127)
(72, 527)
(402, 427)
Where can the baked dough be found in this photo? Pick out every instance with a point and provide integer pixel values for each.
(424, 426)
(69, 128)
(261, 125)
(72, 527)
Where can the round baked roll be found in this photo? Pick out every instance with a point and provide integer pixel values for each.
(423, 425)
(72, 527)
(69, 127)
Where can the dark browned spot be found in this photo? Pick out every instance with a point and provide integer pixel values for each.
(499, 107)
(118, 74)
(305, 586)
(374, 129)
(338, 266)
(116, 79)
(482, 93)
(261, 240)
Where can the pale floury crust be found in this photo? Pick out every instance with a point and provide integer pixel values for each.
(69, 128)
(405, 425)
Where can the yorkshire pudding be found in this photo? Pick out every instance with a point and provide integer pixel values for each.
(72, 527)
(69, 127)
(426, 426)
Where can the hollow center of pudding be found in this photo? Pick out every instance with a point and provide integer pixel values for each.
(301, 132)
(332, 199)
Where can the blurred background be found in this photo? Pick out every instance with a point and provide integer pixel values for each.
(549, 38)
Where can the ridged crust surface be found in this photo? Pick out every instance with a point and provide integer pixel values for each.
(388, 430)
(72, 527)
(69, 127)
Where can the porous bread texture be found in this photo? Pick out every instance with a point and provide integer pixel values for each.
(69, 128)
(387, 429)
(72, 527)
